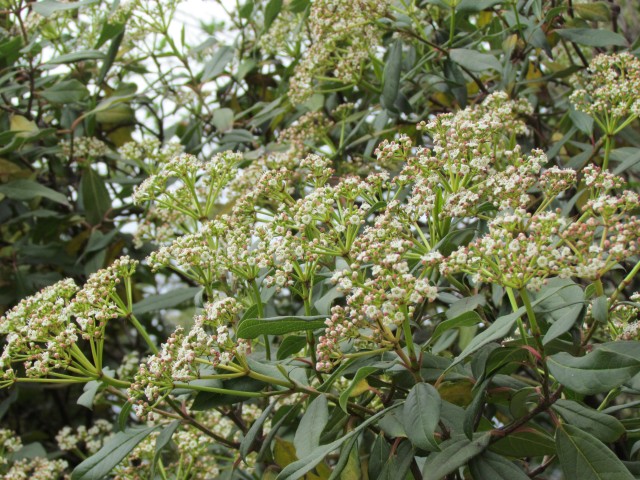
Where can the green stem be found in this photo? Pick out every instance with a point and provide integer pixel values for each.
(608, 143)
(625, 283)
(514, 307)
(143, 333)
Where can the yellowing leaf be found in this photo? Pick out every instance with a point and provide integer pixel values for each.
(458, 393)
(20, 124)
(484, 18)
(360, 387)
(284, 452)
(534, 73)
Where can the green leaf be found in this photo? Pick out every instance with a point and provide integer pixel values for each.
(391, 77)
(223, 119)
(290, 345)
(76, 57)
(28, 190)
(99, 465)
(593, 37)
(162, 441)
(473, 60)
(525, 443)
(464, 305)
(584, 457)
(594, 11)
(604, 427)
(297, 469)
(123, 416)
(379, 454)
(348, 466)
(95, 196)
(111, 55)
(421, 415)
(47, 8)
(467, 319)
(600, 309)
(307, 436)
(608, 366)
(218, 62)
(581, 120)
(454, 453)
(271, 11)
(170, 299)
(67, 91)
(500, 328)
(491, 466)
(254, 327)
(250, 437)
(360, 375)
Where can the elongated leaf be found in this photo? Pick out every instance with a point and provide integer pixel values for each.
(348, 465)
(254, 327)
(607, 366)
(500, 328)
(271, 11)
(162, 441)
(454, 453)
(307, 437)
(170, 299)
(250, 437)
(76, 57)
(28, 190)
(391, 77)
(67, 91)
(297, 469)
(421, 415)
(466, 319)
(585, 457)
(216, 65)
(49, 7)
(525, 443)
(593, 37)
(291, 345)
(474, 60)
(379, 455)
(600, 425)
(95, 196)
(491, 466)
(355, 384)
(98, 466)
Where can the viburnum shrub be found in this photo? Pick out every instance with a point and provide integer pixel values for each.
(330, 307)
(404, 254)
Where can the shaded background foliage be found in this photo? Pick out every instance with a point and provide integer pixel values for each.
(96, 69)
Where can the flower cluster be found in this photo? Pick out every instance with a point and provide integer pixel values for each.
(39, 333)
(189, 356)
(343, 36)
(36, 468)
(609, 91)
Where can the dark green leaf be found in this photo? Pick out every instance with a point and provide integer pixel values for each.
(608, 366)
(525, 443)
(360, 375)
(421, 415)
(99, 465)
(491, 466)
(254, 327)
(380, 451)
(391, 77)
(593, 37)
(170, 299)
(290, 345)
(250, 437)
(95, 196)
(271, 11)
(454, 453)
(604, 427)
(467, 319)
(600, 309)
(297, 469)
(28, 190)
(473, 60)
(584, 457)
(307, 436)
(67, 91)
(162, 441)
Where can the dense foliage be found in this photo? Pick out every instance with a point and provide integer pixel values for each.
(320, 239)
